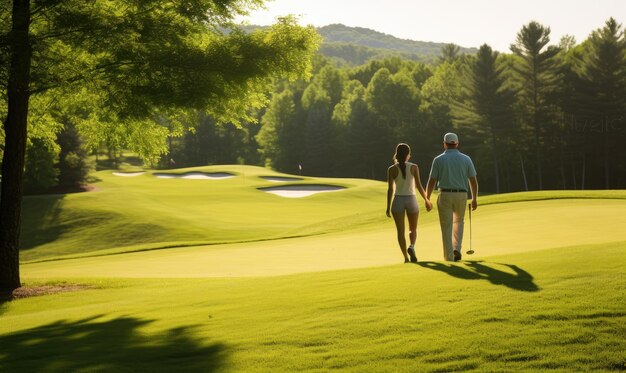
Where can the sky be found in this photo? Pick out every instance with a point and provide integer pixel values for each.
(469, 23)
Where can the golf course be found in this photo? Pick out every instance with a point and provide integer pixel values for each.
(206, 270)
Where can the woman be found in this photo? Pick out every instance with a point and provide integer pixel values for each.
(405, 176)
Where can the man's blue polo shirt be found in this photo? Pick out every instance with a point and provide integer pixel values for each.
(451, 169)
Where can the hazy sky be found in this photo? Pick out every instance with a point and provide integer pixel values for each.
(469, 23)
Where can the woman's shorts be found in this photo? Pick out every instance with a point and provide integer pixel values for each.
(404, 203)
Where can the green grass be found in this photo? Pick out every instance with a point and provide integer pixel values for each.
(558, 309)
(544, 292)
(143, 212)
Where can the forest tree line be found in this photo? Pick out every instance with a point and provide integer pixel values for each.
(545, 115)
(541, 117)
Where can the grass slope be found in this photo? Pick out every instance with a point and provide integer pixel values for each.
(497, 229)
(145, 212)
(557, 309)
(545, 291)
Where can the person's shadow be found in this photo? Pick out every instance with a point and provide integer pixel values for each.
(476, 270)
(109, 346)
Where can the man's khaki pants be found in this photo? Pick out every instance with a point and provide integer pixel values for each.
(451, 206)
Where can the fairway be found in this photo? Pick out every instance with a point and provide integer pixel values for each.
(498, 229)
(314, 283)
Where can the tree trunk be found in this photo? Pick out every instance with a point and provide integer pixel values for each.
(495, 161)
(15, 146)
(607, 160)
(521, 159)
(582, 177)
(536, 126)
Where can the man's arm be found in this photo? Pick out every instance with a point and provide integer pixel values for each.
(474, 187)
(432, 178)
(430, 186)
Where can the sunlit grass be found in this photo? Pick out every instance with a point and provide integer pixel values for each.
(147, 212)
(544, 292)
(554, 309)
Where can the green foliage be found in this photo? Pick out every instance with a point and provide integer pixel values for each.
(119, 69)
(598, 77)
(449, 53)
(504, 106)
(73, 164)
(40, 172)
(536, 70)
(280, 134)
(485, 115)
(208, 143)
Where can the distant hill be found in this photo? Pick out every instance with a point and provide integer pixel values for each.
(374, 39)
(357, 45)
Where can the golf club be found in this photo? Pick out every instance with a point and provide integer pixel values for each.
(470, 251)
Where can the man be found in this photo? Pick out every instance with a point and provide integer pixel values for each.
(452, 172)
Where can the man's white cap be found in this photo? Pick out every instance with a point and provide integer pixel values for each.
(451, 138)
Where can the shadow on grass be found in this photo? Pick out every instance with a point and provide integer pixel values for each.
(108, 346)
(40, 215)
(476, 270)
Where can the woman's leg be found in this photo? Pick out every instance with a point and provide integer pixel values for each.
(413, 227)
(398, 217)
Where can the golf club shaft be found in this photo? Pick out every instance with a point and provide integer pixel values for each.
(470, 213)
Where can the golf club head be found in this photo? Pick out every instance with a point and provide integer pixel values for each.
(469, 252)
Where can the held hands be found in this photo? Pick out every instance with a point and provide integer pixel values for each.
(429, 205)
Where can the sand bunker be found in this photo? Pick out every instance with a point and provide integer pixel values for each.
(299, 191)
(195, 175)
(129, 174)
(280, 179)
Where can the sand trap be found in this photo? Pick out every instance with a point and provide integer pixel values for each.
(280, 179)
(129, 174)
(196, 175)
(299, 191)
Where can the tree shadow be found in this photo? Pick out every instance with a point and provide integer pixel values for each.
(109, 346)
(476, 270)
(40, 215)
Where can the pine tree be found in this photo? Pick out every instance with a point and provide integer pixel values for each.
(488, 106)
(73, 164)
(449, 53)
(602, 93)
(537, 75)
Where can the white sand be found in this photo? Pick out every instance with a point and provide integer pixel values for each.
(129, 174)
(299, 191)
(196, 176)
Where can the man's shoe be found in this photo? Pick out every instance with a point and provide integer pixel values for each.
(457, 255)
(411, 252)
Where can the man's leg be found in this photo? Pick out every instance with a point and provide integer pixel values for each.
(460, 204)
(444, 206)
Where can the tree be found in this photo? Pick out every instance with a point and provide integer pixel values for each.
(73, 165)
(602, 91)
(139, 57)
(488, 106)
(40, 172)
(438, 94)
(317, 103)
(537, 75)
(280, 137)
(449, 53)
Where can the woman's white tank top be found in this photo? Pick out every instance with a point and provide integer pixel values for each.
(405, 186)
